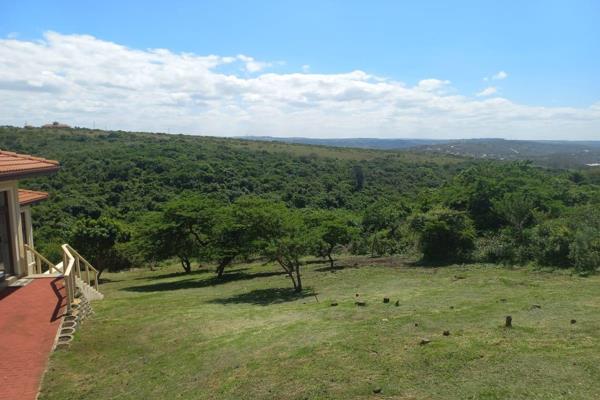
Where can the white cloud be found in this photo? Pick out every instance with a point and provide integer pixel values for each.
(431, 85)
(252, 65)
(305, 68)
(79, 79)
(488, 91)
(499, 76)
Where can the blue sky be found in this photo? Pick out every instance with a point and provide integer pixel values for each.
(549, 50)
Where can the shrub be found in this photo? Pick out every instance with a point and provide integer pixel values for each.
(444, 235)
(584, 252)
(551, 243)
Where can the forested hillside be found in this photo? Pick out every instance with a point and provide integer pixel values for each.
(149, 189)
(548, 153)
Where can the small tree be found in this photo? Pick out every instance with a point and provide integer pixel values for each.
(381, 225)
(330, 229)
(289, 240)
(242, 228)
(444, 235)
(96, 239)
(182, 229)
(517, 210)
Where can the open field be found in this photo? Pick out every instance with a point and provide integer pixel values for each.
(164, 335)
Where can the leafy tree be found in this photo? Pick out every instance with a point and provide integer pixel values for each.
(291, 239)
(381, 224)
(359, 177)
(551, 243)
(517, 209)
(330, 229)
(243, 227)
(444, 235)
(96, 240)
(182, 229)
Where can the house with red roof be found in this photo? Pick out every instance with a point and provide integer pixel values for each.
(41, 302)
(18, 257)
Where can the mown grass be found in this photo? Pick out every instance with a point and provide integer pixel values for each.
(165, 335)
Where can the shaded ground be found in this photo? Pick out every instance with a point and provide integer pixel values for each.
(164, 335)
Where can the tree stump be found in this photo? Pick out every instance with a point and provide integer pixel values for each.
(508, 322)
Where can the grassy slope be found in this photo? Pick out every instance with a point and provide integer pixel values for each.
(160, 335)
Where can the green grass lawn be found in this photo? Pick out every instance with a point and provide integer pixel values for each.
(166, 335)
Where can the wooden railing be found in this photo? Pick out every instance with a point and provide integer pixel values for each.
(40, 264)
(72, 269)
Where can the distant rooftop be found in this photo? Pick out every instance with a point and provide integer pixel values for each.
(18, 166)
(55, 124)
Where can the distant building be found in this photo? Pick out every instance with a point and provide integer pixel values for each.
(55, 125)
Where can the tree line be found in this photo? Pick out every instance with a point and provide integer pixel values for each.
(496, 213)
(123, 198)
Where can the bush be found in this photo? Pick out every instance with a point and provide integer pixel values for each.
(584, 252)
(504, 248)
(495, 248)
(444, 235)
(551, 243)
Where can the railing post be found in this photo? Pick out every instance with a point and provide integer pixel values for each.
(87, 273)
(77, 266)
(67, 280)
(38, 264)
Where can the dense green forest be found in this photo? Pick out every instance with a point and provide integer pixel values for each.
(126, 197)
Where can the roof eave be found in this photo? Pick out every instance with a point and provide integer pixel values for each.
(16, 175)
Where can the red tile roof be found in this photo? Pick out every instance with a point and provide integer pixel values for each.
(28, 197)
(15, 166)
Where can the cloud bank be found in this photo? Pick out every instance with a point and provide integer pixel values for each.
(82, 80)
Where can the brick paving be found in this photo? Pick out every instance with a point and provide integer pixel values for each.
(29, 320)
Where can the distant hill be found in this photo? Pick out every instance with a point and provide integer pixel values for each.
(556, 154)
(360, 143)
(551, 153)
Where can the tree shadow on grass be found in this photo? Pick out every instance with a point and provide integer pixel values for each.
(265, 297)
(336, 267)
(192, 283)
(423, 263)
(178, 274)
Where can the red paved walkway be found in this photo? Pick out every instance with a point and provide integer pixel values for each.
(29, 320)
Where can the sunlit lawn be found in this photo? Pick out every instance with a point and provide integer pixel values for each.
(164, 335)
